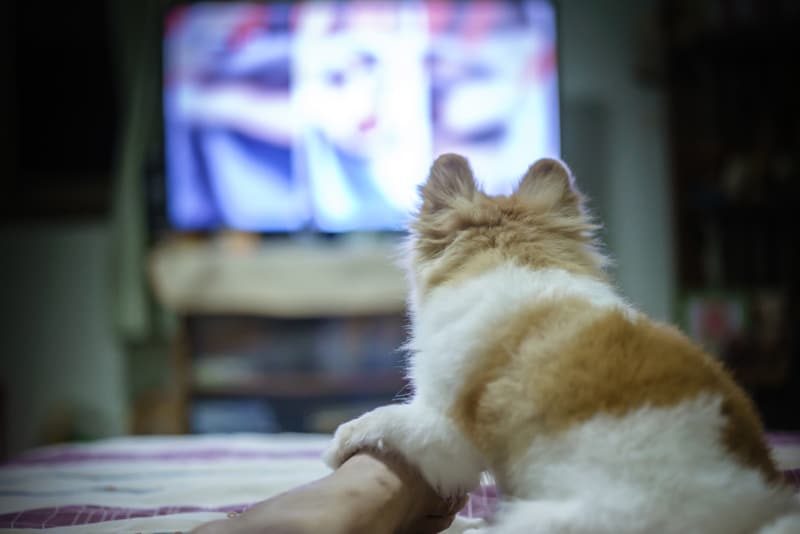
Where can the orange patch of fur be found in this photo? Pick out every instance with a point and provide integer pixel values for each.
(561, 363)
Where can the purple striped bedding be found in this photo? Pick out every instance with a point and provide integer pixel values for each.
(148, 484)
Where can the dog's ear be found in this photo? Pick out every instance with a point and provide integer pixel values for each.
(450, 179)
(549, 182)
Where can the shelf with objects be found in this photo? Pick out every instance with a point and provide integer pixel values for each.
(735, 122)
(282, 336)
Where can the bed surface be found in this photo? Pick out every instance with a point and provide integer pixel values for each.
(160, 484)
(172, 484)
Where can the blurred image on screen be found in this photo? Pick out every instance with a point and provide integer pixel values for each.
(327, 115)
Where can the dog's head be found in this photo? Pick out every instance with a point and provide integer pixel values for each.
(460, 231)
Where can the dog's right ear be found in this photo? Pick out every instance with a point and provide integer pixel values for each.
(450, 179)
(550, 183)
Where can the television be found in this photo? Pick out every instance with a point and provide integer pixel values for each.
(326, 115)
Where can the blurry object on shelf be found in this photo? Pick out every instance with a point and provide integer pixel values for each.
(232, 415)
(763, 356)
(227, 346)
(739, 182)
(230, 350)
(343, 346)
(221, 370)
(282, 371)
(769, 320)
(762, 176)
(749, 333)
(715, 320)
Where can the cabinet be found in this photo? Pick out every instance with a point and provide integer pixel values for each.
(283, 336)
(266, 374)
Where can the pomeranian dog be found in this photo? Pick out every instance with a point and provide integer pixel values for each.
(526, 362)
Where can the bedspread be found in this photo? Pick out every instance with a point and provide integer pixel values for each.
(172, 484)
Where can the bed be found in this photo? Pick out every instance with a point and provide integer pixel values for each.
(172, 484)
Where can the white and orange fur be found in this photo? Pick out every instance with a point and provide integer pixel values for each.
(526, 362)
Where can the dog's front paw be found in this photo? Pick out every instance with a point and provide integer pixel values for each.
(364, 433)
(424, 439)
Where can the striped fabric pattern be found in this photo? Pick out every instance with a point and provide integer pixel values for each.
(160, 484)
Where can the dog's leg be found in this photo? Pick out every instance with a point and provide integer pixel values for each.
(425, 438)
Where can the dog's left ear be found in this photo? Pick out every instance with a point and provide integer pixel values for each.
(450, 179)
(550, 183)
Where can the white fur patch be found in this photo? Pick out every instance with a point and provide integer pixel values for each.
(654, 470)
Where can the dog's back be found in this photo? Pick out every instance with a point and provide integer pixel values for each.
(592, 417)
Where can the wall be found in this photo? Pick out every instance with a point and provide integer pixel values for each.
(59, 358)
(626, 166)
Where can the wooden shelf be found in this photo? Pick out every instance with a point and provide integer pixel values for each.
(280, 279)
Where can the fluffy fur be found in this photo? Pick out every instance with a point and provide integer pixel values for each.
(527, 363)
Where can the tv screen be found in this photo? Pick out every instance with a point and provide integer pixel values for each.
(327, 115)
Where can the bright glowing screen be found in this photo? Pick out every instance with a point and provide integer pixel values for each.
(326, 115)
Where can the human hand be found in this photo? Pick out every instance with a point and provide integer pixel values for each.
(366, 495)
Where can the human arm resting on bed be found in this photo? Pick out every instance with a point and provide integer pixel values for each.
(367, 494)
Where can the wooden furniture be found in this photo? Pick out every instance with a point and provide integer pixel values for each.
(281, 335)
